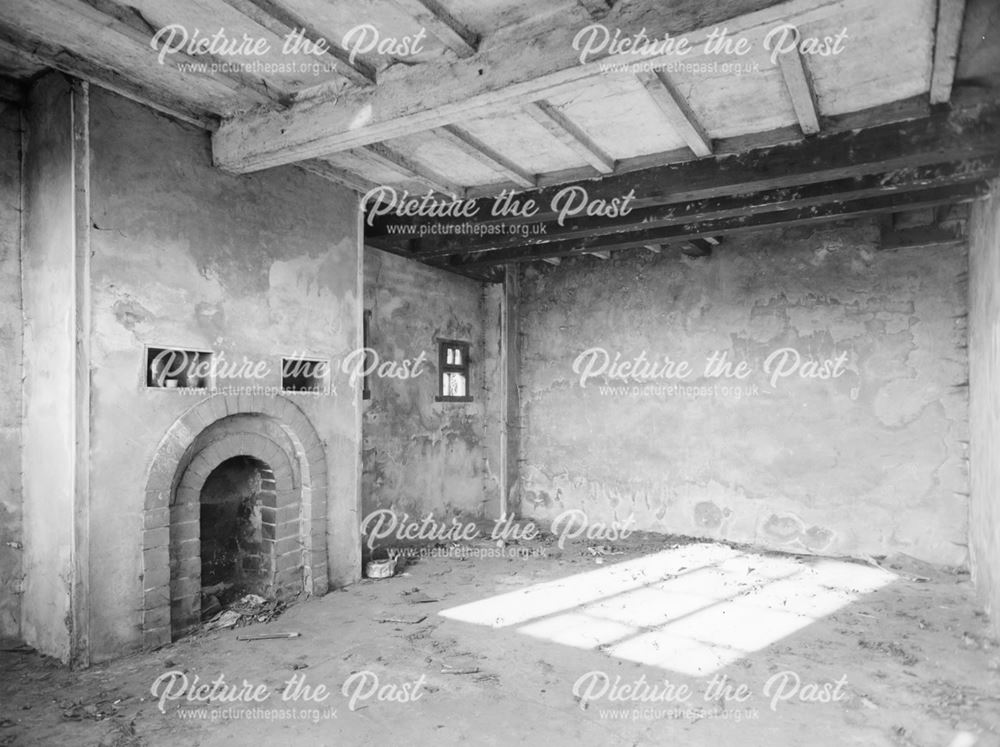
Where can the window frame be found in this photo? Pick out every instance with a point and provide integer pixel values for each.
(464, 368)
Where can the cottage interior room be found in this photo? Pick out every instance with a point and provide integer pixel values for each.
(477, 371)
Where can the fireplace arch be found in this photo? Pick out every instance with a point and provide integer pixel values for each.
(275, 432)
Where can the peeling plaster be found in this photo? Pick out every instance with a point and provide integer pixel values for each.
(812, 465)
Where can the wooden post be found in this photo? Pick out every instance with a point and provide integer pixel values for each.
(510, 403)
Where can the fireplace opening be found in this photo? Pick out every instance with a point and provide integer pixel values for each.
(235, 559)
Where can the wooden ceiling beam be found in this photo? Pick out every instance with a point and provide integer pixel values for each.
(500, 76)
(337, 175)
(914, 107)
(477, 149)
(389, 158)
(750, 222)
(89, 23)
(947, 37)
(39, 52)
(435, 18)
(734, 205)
(677, 111)
(281, 21)
(959, 136)
(125, 16)
(563, 129)
(800, 88)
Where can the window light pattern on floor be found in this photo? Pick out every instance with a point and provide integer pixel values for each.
(692, 609)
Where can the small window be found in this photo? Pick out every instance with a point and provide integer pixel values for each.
(175, 368)
(366, 393)
(453, 371)
(304, 375)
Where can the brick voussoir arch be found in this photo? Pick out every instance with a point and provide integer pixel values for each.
(172, 462)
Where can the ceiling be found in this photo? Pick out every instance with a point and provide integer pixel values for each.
(469, 98)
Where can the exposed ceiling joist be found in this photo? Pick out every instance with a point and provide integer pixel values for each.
(498, 77)
(944, 148)
(125, 16)
(43, 53)
(733, 205)
(477, 149)
(947, 36)
(915, 107)
(569, 134)
(92, 26)
(800, 89)
(389, 158)
(677, 111)
(435, 18)
(281, 21)
(750, 222)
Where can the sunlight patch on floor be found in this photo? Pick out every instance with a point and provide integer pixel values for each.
(692, 609)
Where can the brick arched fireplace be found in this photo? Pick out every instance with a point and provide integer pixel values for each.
(273, 436)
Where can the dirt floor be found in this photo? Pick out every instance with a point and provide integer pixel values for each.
(564, 646)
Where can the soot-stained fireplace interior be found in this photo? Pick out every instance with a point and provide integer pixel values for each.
(236, 501)
(233, 556)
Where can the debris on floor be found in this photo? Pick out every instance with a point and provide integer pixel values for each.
(267, 636)
(248, 609)
(415, 596)
(911, 685)
(402, 619)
